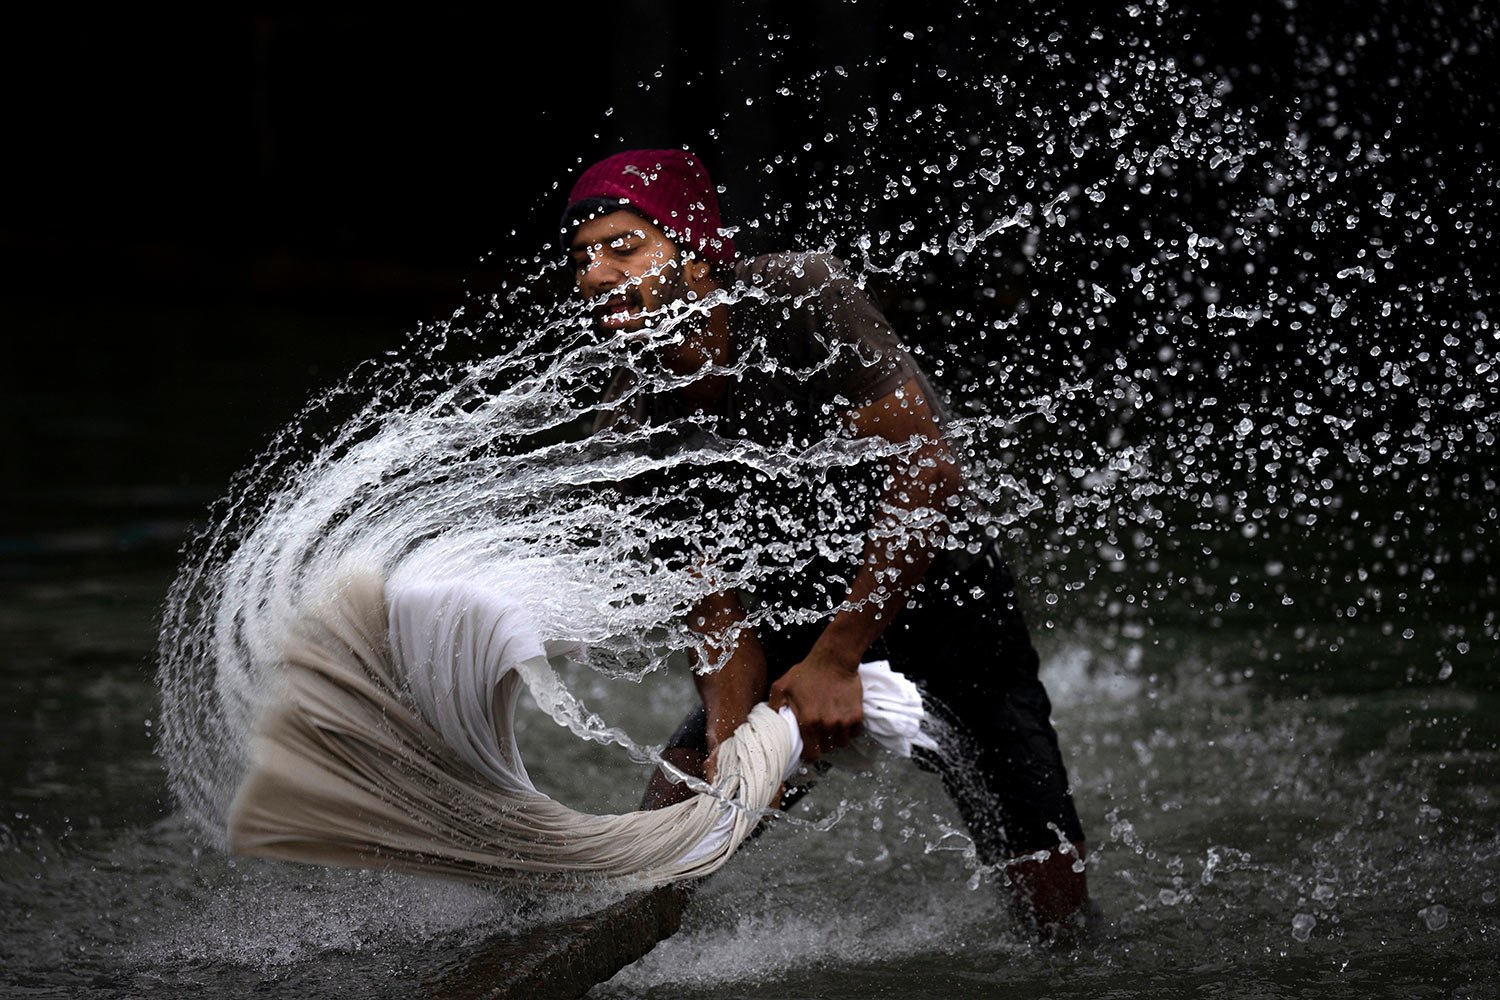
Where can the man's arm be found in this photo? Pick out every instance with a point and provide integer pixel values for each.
(740, 684)
(824, 689)
(728, 693)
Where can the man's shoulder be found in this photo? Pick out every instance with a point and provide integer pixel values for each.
(791, 272)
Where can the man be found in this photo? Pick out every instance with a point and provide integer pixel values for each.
(779, 354)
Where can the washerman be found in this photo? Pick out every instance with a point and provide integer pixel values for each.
(786, 353)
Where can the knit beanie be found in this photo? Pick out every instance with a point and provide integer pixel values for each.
(668, 187)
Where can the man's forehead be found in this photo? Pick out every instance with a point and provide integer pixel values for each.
(610, 227)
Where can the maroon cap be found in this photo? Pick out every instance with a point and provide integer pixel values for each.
(666, 186)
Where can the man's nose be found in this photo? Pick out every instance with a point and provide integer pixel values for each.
(599, 276)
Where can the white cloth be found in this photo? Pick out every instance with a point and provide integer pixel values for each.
(458, 649)
(393, 746)
(893, 718)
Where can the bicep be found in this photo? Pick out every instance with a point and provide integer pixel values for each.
(898, 416)
(904, 416)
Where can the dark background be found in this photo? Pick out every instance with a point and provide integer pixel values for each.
(209, 218)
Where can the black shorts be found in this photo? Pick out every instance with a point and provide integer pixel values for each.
(973, 660)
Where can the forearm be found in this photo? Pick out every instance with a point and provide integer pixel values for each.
(825, 689)
(739, 682)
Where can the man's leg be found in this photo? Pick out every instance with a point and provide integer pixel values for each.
(1000, 759)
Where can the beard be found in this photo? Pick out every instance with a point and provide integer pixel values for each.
(658, 303)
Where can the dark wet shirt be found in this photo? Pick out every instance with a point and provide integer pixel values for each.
(810, 346)
(807, 347)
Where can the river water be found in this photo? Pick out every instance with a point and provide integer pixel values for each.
(1267, 816)
(1238, 447)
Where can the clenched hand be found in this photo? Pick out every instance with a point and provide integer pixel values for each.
(828, 699)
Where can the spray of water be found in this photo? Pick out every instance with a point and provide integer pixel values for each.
(1165, 311)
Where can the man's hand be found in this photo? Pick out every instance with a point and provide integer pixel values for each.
(825, 692)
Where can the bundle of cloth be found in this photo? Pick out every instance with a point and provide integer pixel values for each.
(391, 744)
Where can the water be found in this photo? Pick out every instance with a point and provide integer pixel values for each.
(1221, 812)
(1238, 446)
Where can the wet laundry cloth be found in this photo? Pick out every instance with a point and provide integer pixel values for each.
(391, 745)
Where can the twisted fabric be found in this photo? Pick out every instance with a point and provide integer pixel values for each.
(391, 745)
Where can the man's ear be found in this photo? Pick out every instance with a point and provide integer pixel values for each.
(694, 269)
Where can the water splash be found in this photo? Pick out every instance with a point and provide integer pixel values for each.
(1180, 319)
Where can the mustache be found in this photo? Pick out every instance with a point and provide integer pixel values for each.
(629, 296)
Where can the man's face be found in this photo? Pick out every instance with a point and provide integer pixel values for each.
(629, 267)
